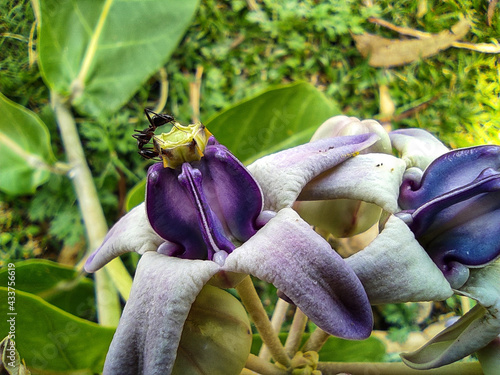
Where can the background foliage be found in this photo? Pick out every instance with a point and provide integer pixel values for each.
(261, 75)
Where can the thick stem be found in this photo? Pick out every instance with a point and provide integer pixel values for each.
(90, 207)
(316, 340)
(276, 321)
(295, 334)
(261, 366)
(397, 368)
(252, 303)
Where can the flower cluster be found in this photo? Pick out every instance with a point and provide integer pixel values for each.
(210, 220)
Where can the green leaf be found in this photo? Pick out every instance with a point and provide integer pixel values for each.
(136, 195)
(277, 119)
(26, 150)
(49, 339)
(59, 285)
(98, 53)
(338, 350)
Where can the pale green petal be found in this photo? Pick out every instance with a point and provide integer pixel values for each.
(471, 332)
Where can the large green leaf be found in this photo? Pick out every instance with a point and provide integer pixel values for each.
(274, 120)
(98, 52)
(49, 339)
(25, 149)
(60, 285)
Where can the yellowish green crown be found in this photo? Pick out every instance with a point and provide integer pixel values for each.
(182, 144)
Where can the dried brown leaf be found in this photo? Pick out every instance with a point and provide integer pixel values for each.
(384, 52)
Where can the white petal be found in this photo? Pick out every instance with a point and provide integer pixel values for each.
(283, 175)
(131, 233)
(372, 178)
(150, 328)
(395, 268)
(300, 263)
(418, 147)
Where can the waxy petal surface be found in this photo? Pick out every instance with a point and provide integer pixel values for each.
(372, 178)
(450, 171)
(471, 332)
(289, 254)
(150, 328)
(283, 175)
(131, 233)
(394, 268)
(238, 195)
(418, 147)
(172, 213)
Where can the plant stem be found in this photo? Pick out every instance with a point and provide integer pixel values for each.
(397, 368)
(295, 334)
(316, 340)
(252, 303)
(90, 207)
(261, 366)
(276, 321)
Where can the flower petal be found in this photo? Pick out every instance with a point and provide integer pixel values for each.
(471, 332)
(238, 195)
(150, 328)
(418, 148)
(131, 233)
(172, 214)
(283, 175)
(289, 254)
(372, 178)
(450, 171)
(395, 268)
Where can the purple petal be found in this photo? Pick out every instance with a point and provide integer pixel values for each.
(283, 175)
(150, 328)
(450, 171)
(204, 206)
(172, 213)
(418, 147)
(210, 225)
(289, 254)
(460, 228)
(131, 233)
(237, 196)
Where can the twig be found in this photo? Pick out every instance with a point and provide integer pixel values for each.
(252, 303)
(195, 92)
(276, 321)
(260, 366)
(479, 47)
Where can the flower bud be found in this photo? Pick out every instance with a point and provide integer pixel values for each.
(216, 337)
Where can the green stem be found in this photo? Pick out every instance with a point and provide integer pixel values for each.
(276, 321)
(397, 368)
(296, 331)
(90, 207)
(316, 340)
(261, 366)
(252, 303)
